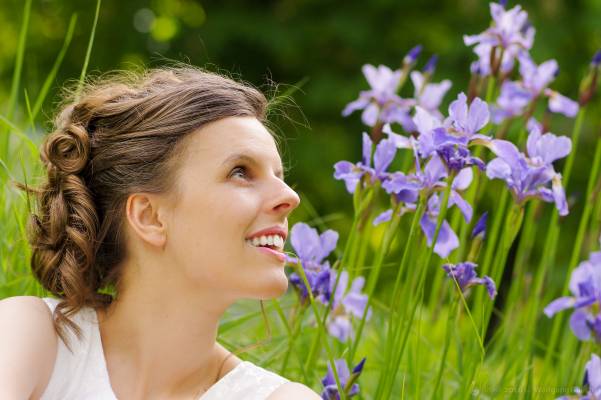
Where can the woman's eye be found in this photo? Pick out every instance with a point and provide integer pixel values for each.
(239, 171)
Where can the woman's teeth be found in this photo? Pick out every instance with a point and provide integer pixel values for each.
(275, 241)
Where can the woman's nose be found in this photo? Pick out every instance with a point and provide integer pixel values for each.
(287, 199)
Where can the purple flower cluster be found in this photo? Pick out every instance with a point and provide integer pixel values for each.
(346, 304)
(585, 285)
(352, 174)
(450, 139)
(509, 34)
(529, 175)
(380, 103)
(465, 275)
(517, 96)
(444, 146)
(330, 391)
(312, 249)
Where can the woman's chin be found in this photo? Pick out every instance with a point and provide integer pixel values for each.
(276, 287)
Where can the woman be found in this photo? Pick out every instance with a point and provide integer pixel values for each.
(168, 188)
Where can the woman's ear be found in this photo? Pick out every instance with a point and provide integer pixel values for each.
(142, 211)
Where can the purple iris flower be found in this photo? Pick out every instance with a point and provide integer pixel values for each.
(434, 173)
(585, 285)
(400, 141)
(406, 188)
(482, 65)
(312, 249)
(592, 378)
(450, 139)
(330, 391)
(465, 275)
(346, 304)
(380, 103)
(516, 96)
(510, 32)
(528, 176)
(429, 95)
(351, 173)
(592, 381)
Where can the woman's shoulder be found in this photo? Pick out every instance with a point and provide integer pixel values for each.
(28, 344)
(279, 387)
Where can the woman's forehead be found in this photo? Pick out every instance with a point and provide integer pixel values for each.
(235, 139)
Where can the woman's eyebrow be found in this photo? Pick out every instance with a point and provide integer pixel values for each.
(237, 157)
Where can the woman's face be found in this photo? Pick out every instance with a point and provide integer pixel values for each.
(231, 186)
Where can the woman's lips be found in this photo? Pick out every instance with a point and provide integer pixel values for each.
(278, 254)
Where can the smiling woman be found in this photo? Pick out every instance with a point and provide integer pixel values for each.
(168, 188)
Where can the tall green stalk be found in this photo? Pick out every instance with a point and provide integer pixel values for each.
(576, 249)
(400, 272)
(301, 272)
(84, 69)
(16, 79)
(449, 330)
(550, 246)
(391, 229)
(362, 199)
(397, 351)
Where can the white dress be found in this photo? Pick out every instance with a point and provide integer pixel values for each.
(83, 375)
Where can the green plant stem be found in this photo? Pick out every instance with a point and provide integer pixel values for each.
(391, 229)
(398, 351)
(361, 200)
(86, 61)
(452, 313)
(513, 224)
(550, 246)
(57, 63)
(295, 332)
(576, 249)
(280, 313)
(317, 338)
(400, 272)
(517, 282)
(16, 79)
(343, 395)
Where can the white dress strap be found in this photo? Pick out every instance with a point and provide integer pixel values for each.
(81, 374)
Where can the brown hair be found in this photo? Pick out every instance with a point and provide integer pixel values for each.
(122, 134)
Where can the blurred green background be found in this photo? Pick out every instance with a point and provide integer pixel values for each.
(323, 43)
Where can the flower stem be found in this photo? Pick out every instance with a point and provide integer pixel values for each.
(295, 332)
(452, 313)
(322, 328)
(400, 335)
(375, 273)
(280, 313)
(410, 239)
(576, 249)
(550, 246)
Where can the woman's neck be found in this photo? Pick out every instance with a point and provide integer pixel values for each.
(159, 346)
